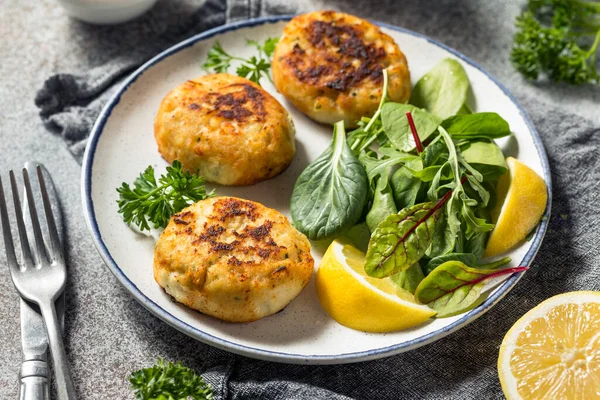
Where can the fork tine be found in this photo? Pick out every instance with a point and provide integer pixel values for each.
(28, 261)
(8, 241)
(55, 248)
(40, 252)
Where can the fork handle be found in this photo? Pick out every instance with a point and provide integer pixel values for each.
(64, 383)
(34, 381)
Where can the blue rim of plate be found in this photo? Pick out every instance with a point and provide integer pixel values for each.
(90, 216)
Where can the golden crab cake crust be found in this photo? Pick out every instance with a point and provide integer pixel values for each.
(329, 65)
(234, 259)
(226, 129)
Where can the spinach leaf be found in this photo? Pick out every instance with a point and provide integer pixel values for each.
(409, 279)
(397, 129)
(486, 157)
(383, 202)
(454, 287)
(443, 90)
(405, 186)
(330, 194)
(480, 125)
(469, 259)
(401, 239)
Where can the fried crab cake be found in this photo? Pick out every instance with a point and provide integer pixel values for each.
(226, 129)
(329, 65)
(234, 259)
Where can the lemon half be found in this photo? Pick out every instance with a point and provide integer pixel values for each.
(553, 351)
(522, 197)
(360, 302)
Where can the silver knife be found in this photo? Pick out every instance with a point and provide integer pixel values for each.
(34, 373)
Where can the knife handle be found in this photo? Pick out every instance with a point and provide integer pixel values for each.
(34, 380)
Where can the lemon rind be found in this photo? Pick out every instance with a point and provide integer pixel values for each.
(338, 246)
(507, 379)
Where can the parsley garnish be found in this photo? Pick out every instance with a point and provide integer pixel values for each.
(149, 201)
(169, 381)
(253, 68)
(558, 38)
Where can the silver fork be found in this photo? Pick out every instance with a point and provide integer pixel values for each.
(41, 277)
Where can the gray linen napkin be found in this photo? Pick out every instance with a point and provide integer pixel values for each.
(462, 365)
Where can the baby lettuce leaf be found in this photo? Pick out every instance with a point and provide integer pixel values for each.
(409, 279)
(453, 287)
(330, 194)
(397, 128)
(469, 259)
(486, 157)
(443, 90)
(405, 186)
(383, 202)
(401, 239)
(487, 125)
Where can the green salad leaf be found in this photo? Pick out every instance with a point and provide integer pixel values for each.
(487, 125)
(469, 259)
(443, 90)
(169, 381)
(397, 129)
(454, 287)
(401, 239)
(383, 202)
(410, 278)
(407, 188)
(486, 157)
(330, 194)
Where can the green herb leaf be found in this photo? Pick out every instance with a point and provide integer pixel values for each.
(554, 50)
(397, 128)
(169, 381)
(480, 125)
(218, 60)
(330, 194)
(253, 68)
(149, 202)
(401, 239)
(443, 90)
(454, 287)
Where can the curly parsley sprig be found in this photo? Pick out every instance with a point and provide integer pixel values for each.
(155, 202)
(253, 68)
(169, 381)
(558, 38)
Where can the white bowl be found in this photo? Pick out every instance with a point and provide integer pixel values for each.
(104, 12)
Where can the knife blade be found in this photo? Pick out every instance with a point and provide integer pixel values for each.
(34, 374)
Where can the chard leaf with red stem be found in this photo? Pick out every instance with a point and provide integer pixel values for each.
(454, 287)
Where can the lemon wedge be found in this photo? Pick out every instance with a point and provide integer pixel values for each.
(360, 302)
(522, 197)
(553, 351)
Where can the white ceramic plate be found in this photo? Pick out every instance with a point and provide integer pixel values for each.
(122, 145)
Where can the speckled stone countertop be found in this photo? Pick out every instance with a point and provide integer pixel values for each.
(108, 333)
